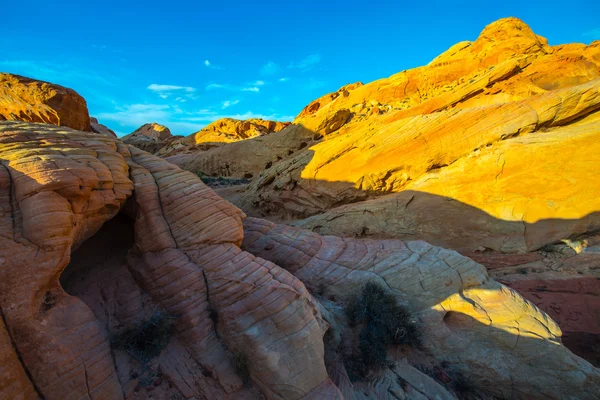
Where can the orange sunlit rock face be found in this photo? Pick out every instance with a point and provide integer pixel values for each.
(24, 99)
(504, 128)
(228, 130)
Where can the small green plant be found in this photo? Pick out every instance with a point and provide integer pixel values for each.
(382, 322)
(144, 342)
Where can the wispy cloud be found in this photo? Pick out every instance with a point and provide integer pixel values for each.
(60, 73)
(213, 86)
(208, 64)
(249, 87)
(165, 91)
(592, 34)
(102, 47)
(229, 103)
(169, 88)
(306, 63)
(284, 79)
(270, 68)
(137, 114)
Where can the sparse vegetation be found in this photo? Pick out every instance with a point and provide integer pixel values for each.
(241, 365)
(144, 342)
(219, 181)
(382, 322)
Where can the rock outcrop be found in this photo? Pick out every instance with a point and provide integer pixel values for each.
(103, 242)
(25, 99)
(149, 137)
(226, 130)
(99, 128)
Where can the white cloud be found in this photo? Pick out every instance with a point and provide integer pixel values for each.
(165, 91)
(270, 68)
(250, 87)
(216, 86)
(207, 63)
(229, 103)
(306, 63)
(285, 79)
(137, 114)
(170, 88)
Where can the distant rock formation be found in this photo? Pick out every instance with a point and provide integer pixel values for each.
(228, 130)
(122, 275)
(149, 137)
(25, 99)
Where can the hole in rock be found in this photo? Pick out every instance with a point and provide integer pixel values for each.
(99, 256)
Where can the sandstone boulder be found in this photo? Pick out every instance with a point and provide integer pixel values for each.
(25, 99)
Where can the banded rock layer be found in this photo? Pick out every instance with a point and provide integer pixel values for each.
(245, 322)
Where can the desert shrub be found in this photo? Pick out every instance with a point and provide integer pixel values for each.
(241, 365)
(382, 322)
(145, 341)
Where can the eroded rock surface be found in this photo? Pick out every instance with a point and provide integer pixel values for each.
(231, 130)
(25, 99)
(99, 236)
(59, 186)
(486, 330)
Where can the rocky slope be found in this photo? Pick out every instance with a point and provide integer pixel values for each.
(107, 248)
(25, 99)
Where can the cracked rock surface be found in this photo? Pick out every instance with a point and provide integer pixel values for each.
(98, 237)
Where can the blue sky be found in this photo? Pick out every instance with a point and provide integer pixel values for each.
(187, 63)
